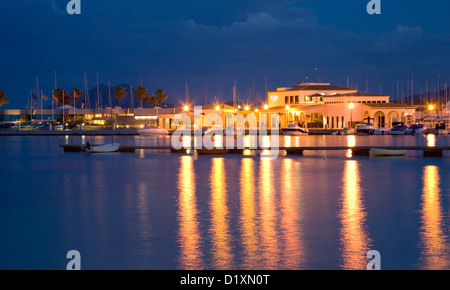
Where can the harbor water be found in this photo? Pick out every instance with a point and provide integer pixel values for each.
(159, 210)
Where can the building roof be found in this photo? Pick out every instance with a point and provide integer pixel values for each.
(356, 95)
(315, 87)
(388, 106)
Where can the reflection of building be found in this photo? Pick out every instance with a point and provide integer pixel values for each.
(323, 105)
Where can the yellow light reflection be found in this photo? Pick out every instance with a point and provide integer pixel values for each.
(221, 238)
(288, 141)
(248, 216)
(354, 237)
(432, 236)
(186, 141)
(351, 140)
(268, 232)
(431, 140)
(188, 234)
(293, 254)
(218, 141)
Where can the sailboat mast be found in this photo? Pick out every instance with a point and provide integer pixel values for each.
(98, 94)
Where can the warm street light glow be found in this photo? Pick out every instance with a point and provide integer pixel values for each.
(266, 107)
(256, 110)
(351, 106)
(217, 108)
(247, 108)
(287, 107)
(431, 107)
(186, 108)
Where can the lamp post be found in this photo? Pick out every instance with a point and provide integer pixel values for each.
(431, 108)
(351, 106)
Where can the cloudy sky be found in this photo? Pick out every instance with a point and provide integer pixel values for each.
(213, 43)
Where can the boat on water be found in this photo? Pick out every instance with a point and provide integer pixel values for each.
(387, 152)
(415, 129)
(152, 131)
(105, 148)
(399, 128)
(294, 130)
(382, 130)
(366, 128)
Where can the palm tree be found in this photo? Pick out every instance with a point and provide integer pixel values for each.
(141, 93)
(161, 96)
(62, 96)
(120, 93)
(78, 93)
(147, 99)
(3, 98)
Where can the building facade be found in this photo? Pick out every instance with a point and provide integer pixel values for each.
(322, 105)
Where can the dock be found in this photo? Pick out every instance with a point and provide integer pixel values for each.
(356, 150)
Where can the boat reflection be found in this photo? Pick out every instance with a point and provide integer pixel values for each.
(189, 239)
(433, 241)
(353, 235)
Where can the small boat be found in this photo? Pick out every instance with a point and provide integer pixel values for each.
(105, 148)
(211, 151)
(366, 128)
(415, 129)
(294, 130)
(387, 152)
(152, 131)
(382, 130)
(399, 128)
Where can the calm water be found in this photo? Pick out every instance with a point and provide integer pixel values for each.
(156, 210)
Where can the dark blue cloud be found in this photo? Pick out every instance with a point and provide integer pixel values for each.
(214, 43)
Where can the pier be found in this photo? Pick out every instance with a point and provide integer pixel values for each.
(356, 150)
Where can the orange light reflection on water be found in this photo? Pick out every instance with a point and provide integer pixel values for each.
(433, 239)
(353, 236)
(219, 227)
(188, 234)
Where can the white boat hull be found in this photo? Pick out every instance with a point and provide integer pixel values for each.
(107, 148)
(387, 152)
(153, 132)
(294, 133)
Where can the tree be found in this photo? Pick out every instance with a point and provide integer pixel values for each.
(3, 98)
(62, 96)
(141, 93)
(147, 99)
(161, 96)
(75, 94)
(120, 93)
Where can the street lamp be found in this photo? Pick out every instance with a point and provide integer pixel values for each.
(266, 107)
(431, 108)
(186, 108)
(351, 106)
(247, 108)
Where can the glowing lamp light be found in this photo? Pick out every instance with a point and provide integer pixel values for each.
(287, 107)
(186, 108)
(351, 106)
(247, 108)
(266, 107)
(256, 110)
(431, 107)
(217, 108)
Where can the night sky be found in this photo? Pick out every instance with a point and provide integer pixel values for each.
(212, 43)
